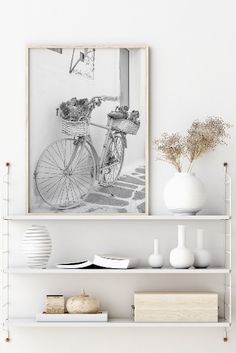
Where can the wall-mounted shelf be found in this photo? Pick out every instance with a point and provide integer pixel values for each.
(96, 217)
(30, 322)
(48, 271)
(8, 322)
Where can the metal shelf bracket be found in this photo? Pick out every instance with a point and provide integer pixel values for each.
(5, 256)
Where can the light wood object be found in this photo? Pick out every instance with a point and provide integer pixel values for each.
(55, 304)
(176, 307)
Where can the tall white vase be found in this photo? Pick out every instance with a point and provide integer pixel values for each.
(184, 194)
(155, 260)
(37, 246)
(181, 257)
(202, 257)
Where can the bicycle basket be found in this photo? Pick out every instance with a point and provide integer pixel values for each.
(125, 125)
(75, 128)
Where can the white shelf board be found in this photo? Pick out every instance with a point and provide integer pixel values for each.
(148, 270)
(30, 322)
(123, 217)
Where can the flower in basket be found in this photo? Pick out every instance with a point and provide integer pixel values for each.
(75, 109)
(65, 110)
(119, 113)
(82, 102)
(134, 117)
(80, 109)
(124, 110)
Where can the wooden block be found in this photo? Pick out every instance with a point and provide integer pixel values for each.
(176, 307)
(55, 304)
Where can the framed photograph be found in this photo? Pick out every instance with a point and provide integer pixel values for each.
(88, 129)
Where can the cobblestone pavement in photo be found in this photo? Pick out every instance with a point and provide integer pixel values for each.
(126, 195)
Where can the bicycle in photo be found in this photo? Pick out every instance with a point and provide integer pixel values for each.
(68, 168)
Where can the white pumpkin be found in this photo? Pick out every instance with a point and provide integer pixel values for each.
(82, 304)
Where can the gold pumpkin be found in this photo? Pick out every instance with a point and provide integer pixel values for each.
(82, 304)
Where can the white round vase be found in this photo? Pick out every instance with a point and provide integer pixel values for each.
(181, 257)
(37, 246)
(155, 260)
(202, 257)
(184, 194)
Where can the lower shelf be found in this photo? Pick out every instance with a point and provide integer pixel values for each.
(30, 322)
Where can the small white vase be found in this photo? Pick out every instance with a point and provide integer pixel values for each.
(181, 257)
(202, 257)
(184, 194)
(37, 246)
(155, 260)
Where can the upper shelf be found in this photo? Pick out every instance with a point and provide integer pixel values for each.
(100, 217)
(147, 270)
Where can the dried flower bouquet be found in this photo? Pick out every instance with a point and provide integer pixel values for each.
(201, 137)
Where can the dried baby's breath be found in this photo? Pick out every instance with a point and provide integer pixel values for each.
(202, 137)
(171, 148)
(205, 136)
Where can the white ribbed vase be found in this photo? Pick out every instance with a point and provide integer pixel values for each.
(37, 246)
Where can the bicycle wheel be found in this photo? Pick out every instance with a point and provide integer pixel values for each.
(113, 160)
(65, 173)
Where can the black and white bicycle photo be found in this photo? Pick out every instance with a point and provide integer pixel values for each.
(88, 124)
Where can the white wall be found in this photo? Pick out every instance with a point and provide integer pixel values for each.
(193, 74)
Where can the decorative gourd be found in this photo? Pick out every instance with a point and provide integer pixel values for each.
(82, 304)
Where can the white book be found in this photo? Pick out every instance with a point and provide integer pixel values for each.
(102, 261)
(99, 317)
(110, 261)
(79, 264)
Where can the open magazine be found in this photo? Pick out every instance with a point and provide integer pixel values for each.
(102, 261)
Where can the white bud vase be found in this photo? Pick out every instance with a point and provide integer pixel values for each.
(156, 259)
(181, 257)
(202, 256)
(184, 194)
(37, 246)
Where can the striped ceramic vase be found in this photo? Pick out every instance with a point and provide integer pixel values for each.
(37, 246)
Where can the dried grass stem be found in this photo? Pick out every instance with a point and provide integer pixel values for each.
(201, 137)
